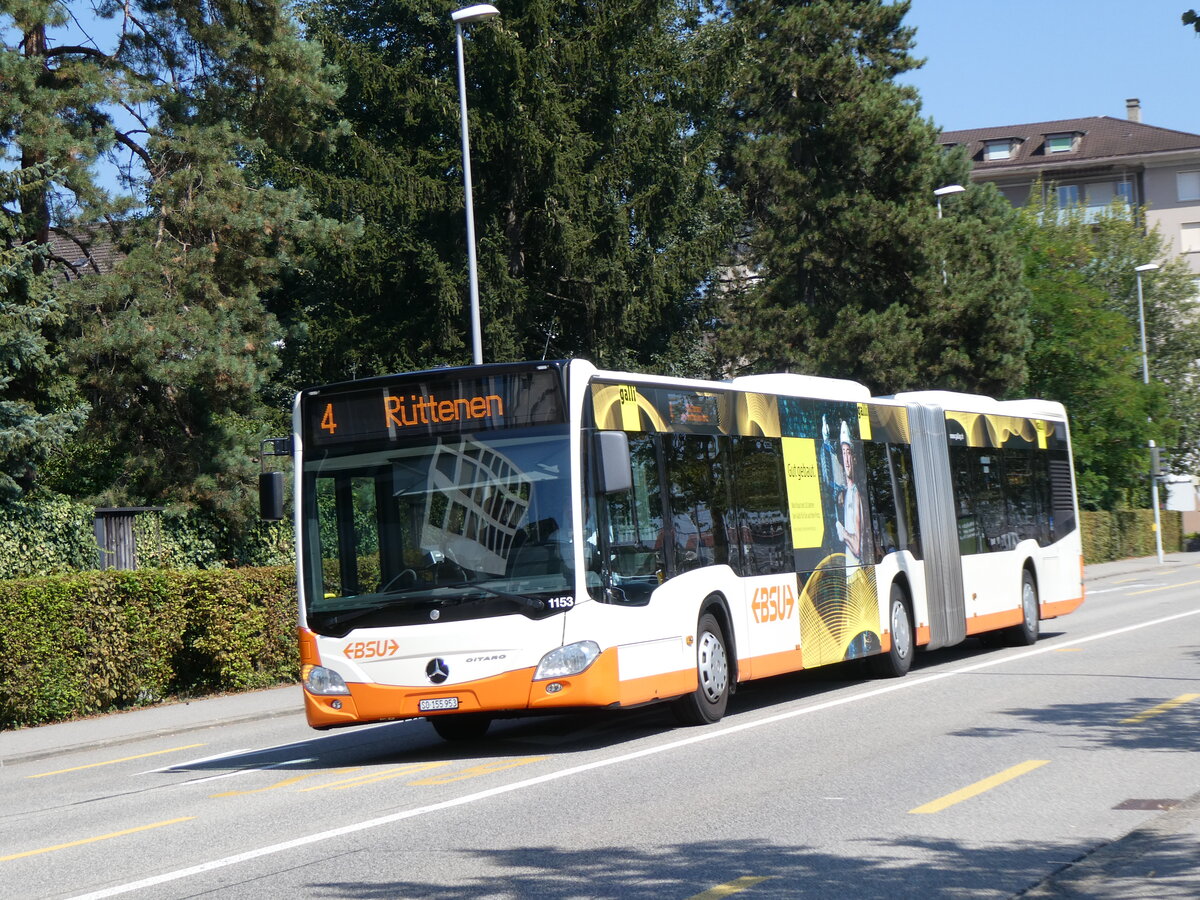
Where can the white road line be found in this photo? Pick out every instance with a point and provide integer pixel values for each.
(278, 765)
(710, 734)
(192, 762)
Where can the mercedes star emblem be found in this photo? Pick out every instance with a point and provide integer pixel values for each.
(437, 670)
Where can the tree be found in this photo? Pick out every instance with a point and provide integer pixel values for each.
(1080, 272)
(972, 305)
(835, 169)
(598, 213)
(37, 411)
(185, 100)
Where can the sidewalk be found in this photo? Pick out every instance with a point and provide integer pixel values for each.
(1161, 859)
(170, 718)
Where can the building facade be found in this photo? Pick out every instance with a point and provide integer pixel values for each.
(1093, 161)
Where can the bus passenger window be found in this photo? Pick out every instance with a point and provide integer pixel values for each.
(699, 503)
(762, 514)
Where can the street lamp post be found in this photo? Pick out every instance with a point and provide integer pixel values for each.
(940, 193)
(462, 17)
(1149, 267)
(945, 191)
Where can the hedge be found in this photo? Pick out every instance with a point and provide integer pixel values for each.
(1126, 533)
(49, 534)
(97, 642)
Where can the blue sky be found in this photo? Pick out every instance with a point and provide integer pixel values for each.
(1011, 62)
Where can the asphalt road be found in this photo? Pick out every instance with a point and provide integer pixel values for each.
(983, 773)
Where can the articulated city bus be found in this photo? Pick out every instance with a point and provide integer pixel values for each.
(507, 539)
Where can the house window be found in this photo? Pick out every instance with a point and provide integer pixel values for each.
(1189, 238)
(1061, 143)
(1188, 185)
(1100, 198)
(994, 150)
(1068, 195)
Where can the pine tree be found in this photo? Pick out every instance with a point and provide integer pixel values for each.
(37, 411)
(598, 213)
(186, 100)
(972, 305)
(836, 170)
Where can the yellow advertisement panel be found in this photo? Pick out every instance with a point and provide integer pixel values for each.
(804, 492)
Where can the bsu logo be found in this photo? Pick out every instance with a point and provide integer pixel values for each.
(773, 604)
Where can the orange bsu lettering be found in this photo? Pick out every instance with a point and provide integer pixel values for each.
(773, 604)
(371, 649)
(427, 409)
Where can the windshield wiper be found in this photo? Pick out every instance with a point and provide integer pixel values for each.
(534, 603)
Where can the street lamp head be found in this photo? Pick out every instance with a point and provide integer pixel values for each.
(949, 189)
(474, 13)
(1148, 267)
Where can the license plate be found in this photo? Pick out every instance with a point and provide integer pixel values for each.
(438, 703)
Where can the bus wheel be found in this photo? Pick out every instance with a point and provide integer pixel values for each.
(898, 659)
(463, 727)
(707, 703)
(1027, 632)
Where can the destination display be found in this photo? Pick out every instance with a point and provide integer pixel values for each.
(404, 407)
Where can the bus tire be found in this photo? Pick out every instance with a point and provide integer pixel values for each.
(707, 703)
(463, 727)
(898, 659)
(1026, 634)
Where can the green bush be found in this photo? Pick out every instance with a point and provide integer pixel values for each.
(1126, 533)
(45, 536)
(49, 534)
(96, 642)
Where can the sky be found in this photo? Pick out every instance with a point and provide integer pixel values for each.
(1013, 62)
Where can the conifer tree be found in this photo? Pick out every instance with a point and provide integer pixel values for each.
(840, 271)
(598, 213)
(38, 413)
(185, 100)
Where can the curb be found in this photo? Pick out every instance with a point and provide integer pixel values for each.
(1141, 864)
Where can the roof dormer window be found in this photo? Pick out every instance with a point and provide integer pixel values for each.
(1064, 142)
(998, 150)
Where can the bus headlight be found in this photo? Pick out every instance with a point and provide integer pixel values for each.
(565, 661)
(320, 680)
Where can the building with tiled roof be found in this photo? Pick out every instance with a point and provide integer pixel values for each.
(1091, 162)
(82, 252)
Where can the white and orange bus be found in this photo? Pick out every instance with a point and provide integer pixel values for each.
(506, 539)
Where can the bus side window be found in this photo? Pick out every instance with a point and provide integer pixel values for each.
(699, 502)
(893, 498)
(763, 528)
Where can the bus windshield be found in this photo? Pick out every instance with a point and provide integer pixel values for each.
(454, 527)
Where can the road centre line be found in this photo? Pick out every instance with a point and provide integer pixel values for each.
(714, 732)
(372, 777)
(979, 787)
(113, 762)
(1165, 587)
(93, 840)
(1160, 709)
(732, 887)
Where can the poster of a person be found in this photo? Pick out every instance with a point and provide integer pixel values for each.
(850, 529)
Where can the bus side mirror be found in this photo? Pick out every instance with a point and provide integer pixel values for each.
(270, 496)
(612, 452)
